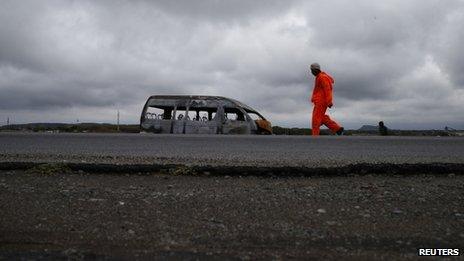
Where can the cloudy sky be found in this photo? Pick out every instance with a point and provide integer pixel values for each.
(397, 61)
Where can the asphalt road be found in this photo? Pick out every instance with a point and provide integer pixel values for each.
(198, 150)
(73, 214)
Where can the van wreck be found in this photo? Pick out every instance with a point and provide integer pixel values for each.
(201, 115)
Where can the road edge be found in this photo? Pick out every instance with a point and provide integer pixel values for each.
(179, 169)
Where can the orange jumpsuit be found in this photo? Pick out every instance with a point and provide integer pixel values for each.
(322, 98)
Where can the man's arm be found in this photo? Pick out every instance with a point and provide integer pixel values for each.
(327, 87)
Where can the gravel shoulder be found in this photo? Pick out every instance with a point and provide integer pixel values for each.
(125, 216)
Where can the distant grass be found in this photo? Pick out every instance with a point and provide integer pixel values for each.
(80, 127)
(277, 130)
(183, 171)
(49, 169)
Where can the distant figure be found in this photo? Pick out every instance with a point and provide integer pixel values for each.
(383, 130)
(322, 99)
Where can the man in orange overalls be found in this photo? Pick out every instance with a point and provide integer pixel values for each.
(322, 98)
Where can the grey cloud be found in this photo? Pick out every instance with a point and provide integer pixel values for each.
(20, 44)
(224, 11)
(370, 25)
(390, 55)
(21, 97)
(447, 46)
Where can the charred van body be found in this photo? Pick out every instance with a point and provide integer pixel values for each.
(201, 115)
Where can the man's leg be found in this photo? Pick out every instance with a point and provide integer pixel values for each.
(318, 115)
(332, 125)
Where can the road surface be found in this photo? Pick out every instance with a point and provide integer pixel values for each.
(382, 211)
(221, 150)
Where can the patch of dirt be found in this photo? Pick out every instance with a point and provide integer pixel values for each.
(86, 216)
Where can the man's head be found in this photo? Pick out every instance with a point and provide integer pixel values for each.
(315, 69)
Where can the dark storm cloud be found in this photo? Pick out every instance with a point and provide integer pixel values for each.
(386, 57)
(448, 42)
(224, 11)
(381, 41)
(39, 92)
(20, 44)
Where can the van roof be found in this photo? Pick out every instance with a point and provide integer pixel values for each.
(202, 97)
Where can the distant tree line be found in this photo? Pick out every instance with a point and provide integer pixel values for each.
(277, 130)
(81, 127)
(135, 128)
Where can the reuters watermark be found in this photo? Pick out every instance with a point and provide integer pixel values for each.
(438, 252)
